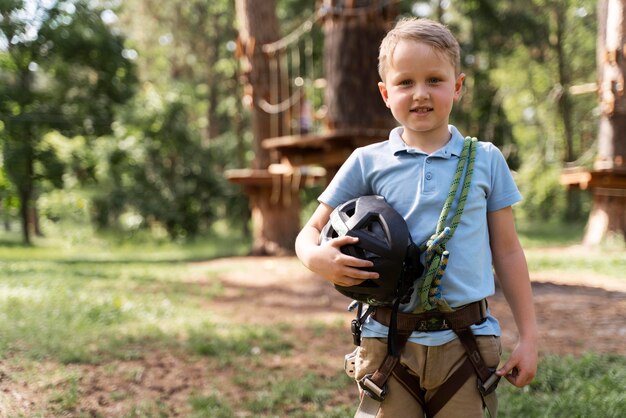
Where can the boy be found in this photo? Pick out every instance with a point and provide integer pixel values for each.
(413, 170)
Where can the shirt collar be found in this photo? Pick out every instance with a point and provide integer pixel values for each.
(453, 147)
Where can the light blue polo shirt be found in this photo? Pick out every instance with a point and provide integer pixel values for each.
(416, 185)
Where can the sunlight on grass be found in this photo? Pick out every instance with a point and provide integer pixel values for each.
(82, 305)
(534, 235)
(555, 248)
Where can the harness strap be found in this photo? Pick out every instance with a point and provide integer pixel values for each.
(462, 317)
(468, 340)
(411, 383)
(375, 385)
(449, 388)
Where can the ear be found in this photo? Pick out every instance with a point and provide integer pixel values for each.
(458, 86)
(383, 92)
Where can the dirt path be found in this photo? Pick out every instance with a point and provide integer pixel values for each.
(575, 313)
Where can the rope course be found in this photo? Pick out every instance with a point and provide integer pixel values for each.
(291, 92)
(296, 82)
(292, 74)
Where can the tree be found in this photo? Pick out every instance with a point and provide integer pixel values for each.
(608, 215)
(353, 31)
(275, 222)
(185, 59)
(64, 69)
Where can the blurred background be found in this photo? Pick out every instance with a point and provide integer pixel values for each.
(123, 118)
(152, 150)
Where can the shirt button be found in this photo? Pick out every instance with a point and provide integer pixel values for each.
(429, 176)
(428, 161)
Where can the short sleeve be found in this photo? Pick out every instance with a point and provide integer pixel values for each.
(504, 191)
(348, 183)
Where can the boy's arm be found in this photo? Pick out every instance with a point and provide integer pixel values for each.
(326, 259)
(512, 272)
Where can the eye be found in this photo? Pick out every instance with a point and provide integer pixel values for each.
(433, 80)
(406, 83)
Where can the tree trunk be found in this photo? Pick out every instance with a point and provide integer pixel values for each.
(275, 220)
(351, 40)
(24, 198)
(608, 215)
(564, 106)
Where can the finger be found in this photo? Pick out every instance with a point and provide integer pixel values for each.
(357, 273)
(344, 240)
(513, 376)
(347, 281)
(523, 378)
(504, 370)
(519, 378)
(358, 263)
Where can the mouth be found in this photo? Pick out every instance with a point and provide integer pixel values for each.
(421, 110)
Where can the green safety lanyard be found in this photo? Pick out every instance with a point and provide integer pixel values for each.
(436, 255)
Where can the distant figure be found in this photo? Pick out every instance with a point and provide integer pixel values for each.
(306, 115)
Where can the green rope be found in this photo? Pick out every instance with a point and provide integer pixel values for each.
(436, 255)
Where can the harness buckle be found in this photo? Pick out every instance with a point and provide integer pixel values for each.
(372, 390)
(489, 385)
(355, 327)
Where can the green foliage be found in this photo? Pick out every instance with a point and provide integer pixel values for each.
(544, 196)
(69, 70)
(184, 127)
(162, 171)
(62, 68)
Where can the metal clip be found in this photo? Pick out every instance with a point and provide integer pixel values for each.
(372, 390)
(349, 363)
(489, 385)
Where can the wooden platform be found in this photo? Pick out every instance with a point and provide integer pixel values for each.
(593, 179)
(250, 177)
(328, 150)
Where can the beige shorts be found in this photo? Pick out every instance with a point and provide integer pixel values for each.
(432, 365)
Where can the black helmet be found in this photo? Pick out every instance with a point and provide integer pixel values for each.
(384, 239)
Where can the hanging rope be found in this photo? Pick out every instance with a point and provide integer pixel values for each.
(436, 255)
(287, 91)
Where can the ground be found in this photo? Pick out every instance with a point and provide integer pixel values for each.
(576, 314)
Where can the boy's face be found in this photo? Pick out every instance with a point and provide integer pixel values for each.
(420, 87)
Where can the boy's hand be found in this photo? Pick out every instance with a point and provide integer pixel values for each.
(521, 367)
(341, 269)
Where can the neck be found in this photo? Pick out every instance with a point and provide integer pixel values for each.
(428, 143)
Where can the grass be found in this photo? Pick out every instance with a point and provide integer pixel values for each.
(99, 302)
(537, 235)
(586, 387)
(607, 260)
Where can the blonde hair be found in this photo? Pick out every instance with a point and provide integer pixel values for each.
(420, 30)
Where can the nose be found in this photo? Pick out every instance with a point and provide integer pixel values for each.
(420, 91)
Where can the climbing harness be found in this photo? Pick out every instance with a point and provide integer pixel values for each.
(433, 314)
